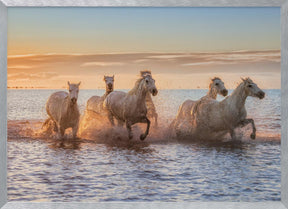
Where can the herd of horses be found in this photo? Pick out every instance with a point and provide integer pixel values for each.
(206, 118)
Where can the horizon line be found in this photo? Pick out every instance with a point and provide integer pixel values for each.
(113, 53)
(44, 88)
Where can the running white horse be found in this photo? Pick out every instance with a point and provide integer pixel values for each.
(95, 103)
(130, 108)
(213, 119)
(62, 109)
(216, 87)
(151, 110)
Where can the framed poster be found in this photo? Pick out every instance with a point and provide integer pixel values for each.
(144, 106)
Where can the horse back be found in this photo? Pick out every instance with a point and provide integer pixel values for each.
(210, 114)
(114, 103)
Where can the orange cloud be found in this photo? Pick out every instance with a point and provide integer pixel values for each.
(172, 70)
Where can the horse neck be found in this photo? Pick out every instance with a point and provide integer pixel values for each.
(107, 93)
(70, 107)
(140, 92)
(212, 93)
(238, 97)
(148, 97)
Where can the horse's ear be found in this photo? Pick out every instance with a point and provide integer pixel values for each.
(242, 79)
(79, 83)
(68, 83)
(104, 77)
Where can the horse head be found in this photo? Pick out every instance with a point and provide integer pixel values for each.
(73, 91)
(251, 88)
(149, 84)
(218, 85)
(109, 80)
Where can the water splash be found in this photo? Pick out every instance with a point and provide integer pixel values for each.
(95, 128)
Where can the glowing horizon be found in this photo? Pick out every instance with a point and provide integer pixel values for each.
(183, 47)
(173, 70)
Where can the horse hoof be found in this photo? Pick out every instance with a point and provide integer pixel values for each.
(253, 136)
(142, 137)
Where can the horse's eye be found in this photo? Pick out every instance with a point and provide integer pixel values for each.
(249, 85)
(147, 81)
(217, 84)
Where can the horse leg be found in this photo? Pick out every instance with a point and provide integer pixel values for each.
(111, 119)
(120, 123)
(178, 128)
(246, 122)
(62, 132)
(129, 129)
(143, 136)
(156, 120)
(74, 131)
(55, 128)
(182, 130)
(232, 134)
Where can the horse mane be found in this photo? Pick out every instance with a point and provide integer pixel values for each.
(240, 85)
(247, 80)
(145, 72)
(136, 86)
(214, 79)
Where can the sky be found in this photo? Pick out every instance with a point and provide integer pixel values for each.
(183, 47)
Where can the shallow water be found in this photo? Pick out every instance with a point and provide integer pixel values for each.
(159, 169)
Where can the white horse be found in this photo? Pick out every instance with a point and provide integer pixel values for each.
(216, 87)
(62, 109)
(130, 108)
(151, 110)
(95, 103)
(215, 119)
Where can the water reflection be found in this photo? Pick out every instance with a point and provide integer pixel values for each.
(65, 144)
(87, 171)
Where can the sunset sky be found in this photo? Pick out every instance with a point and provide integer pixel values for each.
(183, 47)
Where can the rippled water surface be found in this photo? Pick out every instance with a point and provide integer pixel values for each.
(158, 169)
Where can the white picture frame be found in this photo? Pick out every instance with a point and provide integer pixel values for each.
(283, 4)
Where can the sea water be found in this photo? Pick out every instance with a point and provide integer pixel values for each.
(157, 169)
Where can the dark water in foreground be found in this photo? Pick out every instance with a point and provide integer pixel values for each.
(159, 169)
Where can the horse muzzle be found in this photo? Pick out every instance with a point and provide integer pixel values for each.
(261, 95)
(224, 92)
(74, 100)
(154, 92)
